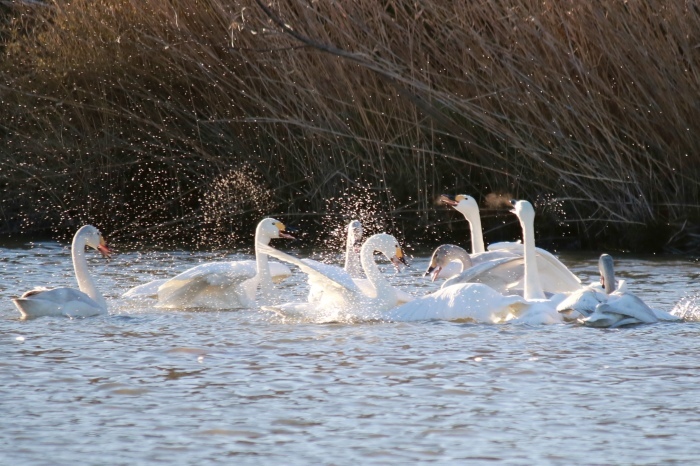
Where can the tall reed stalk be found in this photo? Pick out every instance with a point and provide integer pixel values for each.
(130, 114)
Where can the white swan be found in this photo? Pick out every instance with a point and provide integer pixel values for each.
(504, 275)
(278, 272)
(225, 285)
(353, 266)
(69, 301)
(618, 307)
(341, 297)
(539, 309)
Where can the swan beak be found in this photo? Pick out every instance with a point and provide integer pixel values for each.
(434, 272)
(399, 259)
(104, 250)
(283, 231)
(448, 199)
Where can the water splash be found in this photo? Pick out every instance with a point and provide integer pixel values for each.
(371, 207)
(230, 198)
(688, 308)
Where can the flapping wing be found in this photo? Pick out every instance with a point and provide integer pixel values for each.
(320, 274)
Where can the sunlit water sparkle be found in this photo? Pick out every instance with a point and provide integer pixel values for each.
(145, 385)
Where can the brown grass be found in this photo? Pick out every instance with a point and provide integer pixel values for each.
(128, 113)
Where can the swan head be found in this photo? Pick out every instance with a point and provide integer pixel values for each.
(443, 255)
(387, 245)
(93, 238)
(467, 205)
(269, 228)
(355, 235)
(524, 210)
(607, 273)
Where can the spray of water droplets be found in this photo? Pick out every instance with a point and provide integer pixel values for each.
(233, 202)
(688, 308)
(372, 207)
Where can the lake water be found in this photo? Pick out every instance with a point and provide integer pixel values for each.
(148, 386)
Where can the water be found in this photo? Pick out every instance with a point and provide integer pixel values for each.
(144, 385)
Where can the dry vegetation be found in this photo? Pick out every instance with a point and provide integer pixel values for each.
(131, 114)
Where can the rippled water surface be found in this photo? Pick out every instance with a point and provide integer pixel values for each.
(144, 385)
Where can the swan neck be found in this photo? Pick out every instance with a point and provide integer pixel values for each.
(374, 276)
(608, 274)
(477, 234)
(263, 276)
(82, 275)
(463, 257)
(533, 286)
(349, 253)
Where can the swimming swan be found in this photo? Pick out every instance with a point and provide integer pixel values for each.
(225, 285)
(353, 244)
(68, 301)
(619, 307)
(341, 298)
(504, 275)
(539, 309)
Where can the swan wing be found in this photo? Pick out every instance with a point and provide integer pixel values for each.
(62, 301)
(581, 303)
(218, 277)
(279, 271)
(628, 305)
(490, 255)
(320, 274)
(620, 310)
(146, 290)
(464, 301)
(664, 316)
(500, 274)
(554, 275)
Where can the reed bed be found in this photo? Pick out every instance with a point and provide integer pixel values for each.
(149, 117)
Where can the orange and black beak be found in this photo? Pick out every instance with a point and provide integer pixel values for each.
(104, 250)
(284, 231)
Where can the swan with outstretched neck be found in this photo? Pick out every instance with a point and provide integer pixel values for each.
(69, 302)
(538, 309)
(341, 298)
(502, 274)
(225, 285)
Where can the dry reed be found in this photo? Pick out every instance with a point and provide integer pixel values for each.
(126, 113)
